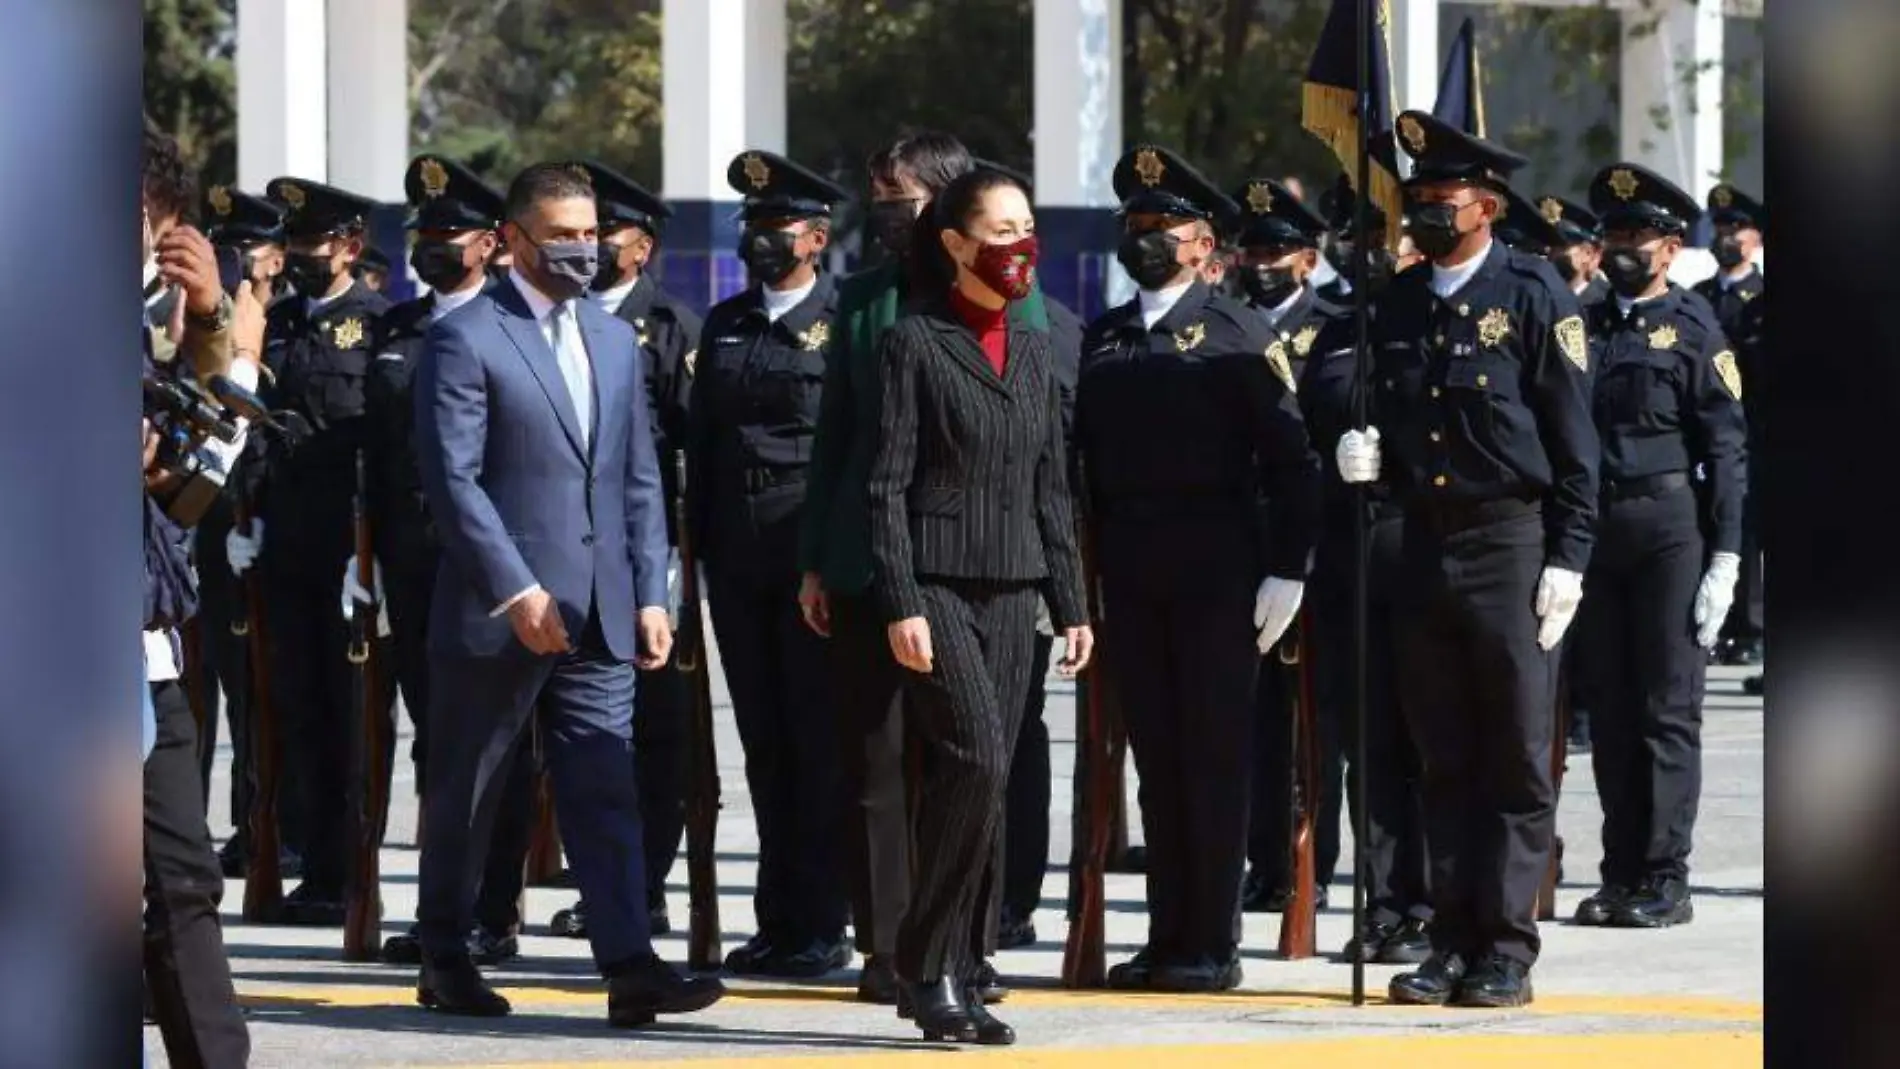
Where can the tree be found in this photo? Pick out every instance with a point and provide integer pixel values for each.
(190, 82)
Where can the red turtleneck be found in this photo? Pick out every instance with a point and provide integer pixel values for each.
(990, 325)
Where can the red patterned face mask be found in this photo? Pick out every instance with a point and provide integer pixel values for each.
(1009, 270)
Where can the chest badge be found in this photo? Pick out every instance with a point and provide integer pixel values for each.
(347, 334)
(1745, 295)
(1730, 374)
(1493, 327)
(815, 336)
(1191, 338)
(1573, 341)
(1282, 370)
(1303, 341)
(691, 360)
(1663, 337)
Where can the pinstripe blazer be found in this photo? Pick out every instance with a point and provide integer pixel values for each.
(968, 480)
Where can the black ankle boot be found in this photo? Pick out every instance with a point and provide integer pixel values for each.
(938, 1010)
(989, 1031)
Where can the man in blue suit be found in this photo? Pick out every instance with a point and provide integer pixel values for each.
(539, 468)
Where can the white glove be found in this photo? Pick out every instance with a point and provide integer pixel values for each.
(673, 585)
(1274, 607)
(1358, 456)
(354, 594)
(242, 550)
(1714, 597)
(1558, 592)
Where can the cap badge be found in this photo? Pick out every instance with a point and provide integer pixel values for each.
(1191, 338)
(1414, 133)
(293, 195)
(1722, 197)
(1553, 209)
(435, 178)
(1663, 337)
(1493, 327)
(756, 171)
(348, 334)
(220, 198)
(1148, 167)
(1259, 198)
(1623, 183)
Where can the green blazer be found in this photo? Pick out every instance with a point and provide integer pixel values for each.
(835, 527)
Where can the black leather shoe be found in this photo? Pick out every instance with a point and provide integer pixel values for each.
(990, 1032)
(810, 961)
(308, 907)
(1752, 686)
(745, 958)
(570, 922)
(1595, 911)
(1411, 944)
(492, 948)
(938, 1011)
(456, 987)
(1258, 893)
(1661, 902)
(652, 988)
(1497, 983)
(877, 981)
(659, 921)
(1013, 931)
(404, 949)
(1198, 976)
(989, 984)
(1431, 984)
(1377, 932)
(1135, 974)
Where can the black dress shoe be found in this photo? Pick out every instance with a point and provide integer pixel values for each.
(937, 1009)
(1431, 984)
(456, 987)
(1377, 932)
(1661, 902)
(745, 958)
(651, 988)
(492, 948)
(1595, 911)
(404, 949)
(1752, 685)
(1496, 983)
(1198, 976)
(990, 1032)
(1410, 945)
(570, 922)
(877, 981)
(308, 907)
(1135, 974)
(990, 985)
(1013, 931)
(810, 961)
(1258, 892)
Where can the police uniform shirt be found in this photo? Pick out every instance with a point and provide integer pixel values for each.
(1667, 398)
(1481, 391)
(669, 334)
(1729, 296)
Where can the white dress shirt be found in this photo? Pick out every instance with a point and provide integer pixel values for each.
(779, 302)
(449, 302)
(611, 300)
(1279, 311)
(1157, 303)
(1449, 280)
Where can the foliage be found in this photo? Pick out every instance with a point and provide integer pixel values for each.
(191, 81)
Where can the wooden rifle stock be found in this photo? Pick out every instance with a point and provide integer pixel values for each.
(543, 862)
(703, 950)
(1098, 772)
(1299, 922)
(363, 899)
(1559, 754)
(263, 878)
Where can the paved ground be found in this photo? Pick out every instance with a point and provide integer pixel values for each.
(1687, 998)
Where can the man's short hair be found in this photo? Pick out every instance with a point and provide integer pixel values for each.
(932, 158)
(546, 181)
(169, 187)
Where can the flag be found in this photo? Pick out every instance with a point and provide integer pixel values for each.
(1460, 89)
(1329, 104)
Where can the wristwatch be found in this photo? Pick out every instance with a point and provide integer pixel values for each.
(217, 321)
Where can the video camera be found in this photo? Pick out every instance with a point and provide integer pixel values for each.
(186, 419)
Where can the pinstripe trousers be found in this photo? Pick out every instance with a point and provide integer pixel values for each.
(967, 711)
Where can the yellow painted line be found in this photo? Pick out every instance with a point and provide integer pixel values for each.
(1715, 1050)
(591, 993)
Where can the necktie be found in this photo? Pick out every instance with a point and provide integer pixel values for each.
(572, 356)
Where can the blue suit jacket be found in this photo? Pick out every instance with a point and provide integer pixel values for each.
(517, 498)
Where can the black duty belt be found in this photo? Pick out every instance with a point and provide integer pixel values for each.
(758, 480)
(1647, 486)
(1450, 517)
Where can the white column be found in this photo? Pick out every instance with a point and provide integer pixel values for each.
(281, 92)
(1416, 60)
(1078, 101)
(718, 104)
(368, 49)
(1672, 91)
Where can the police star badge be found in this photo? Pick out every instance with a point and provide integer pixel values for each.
(293, 195)
(1623, 183)
(1729, 372)
(220, 200)
(756, 171)
(1191, 338)
(1493, 327)
(1553, 210)
(1148, 167)
(1259, 198)
(815, 336)
(1414, 133)
(1303, 341)
(1282, 369)
(1663, 337)
(347, 334)
(435, 178)
(1722, 196)
(1571, 339)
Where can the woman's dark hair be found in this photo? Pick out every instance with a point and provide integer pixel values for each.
(932, 270)
(165, 178)
(932, 158)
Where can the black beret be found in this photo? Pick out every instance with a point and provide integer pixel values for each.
(1151, 179)
(1442, 152)
(448, 196)
(237, 217)
(777, 188)
(1272, 215)
(315, 210)
(625, 202)
(1628, 196)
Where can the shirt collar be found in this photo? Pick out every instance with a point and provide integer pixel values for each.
(1279, 311)
(1625, 304)
(778, 302)
(540, 305)
(449, 302)
(612, 299)
(1156, 304)
(1449, 280)
(314, 306)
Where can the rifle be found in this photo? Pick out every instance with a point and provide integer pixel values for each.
(543, 864)
(263, 880)
(1121, 857)
(1298, 923)
(1098, 773)
(363, 899)
(1559, 754)
(702, 778)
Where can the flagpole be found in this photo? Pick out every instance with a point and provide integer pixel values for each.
(1362, 377)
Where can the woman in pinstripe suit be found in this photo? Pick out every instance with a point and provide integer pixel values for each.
(970, 525)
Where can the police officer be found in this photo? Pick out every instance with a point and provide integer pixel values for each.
(1278, 248)
(1740, 223)
(1337, 205)
(753, 413)
(1668, 394)
(1579, 257)
(319, 349)
(455, 217)
(1525, 228)
(1480, 388)
(631, 223)
(1185, 416)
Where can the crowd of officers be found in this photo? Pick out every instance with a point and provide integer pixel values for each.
(1551, 427)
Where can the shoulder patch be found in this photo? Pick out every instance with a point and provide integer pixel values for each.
(1282, 369)
(1729, 372)
(1573, 340)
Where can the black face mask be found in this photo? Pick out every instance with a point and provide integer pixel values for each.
(1434, 228)
(439, 264)
(309, 272)
(1149, 257)
(891, 223)
(770, 255)
(1268, 287)
(1728, 251)
(1629, 271)
(610, 274)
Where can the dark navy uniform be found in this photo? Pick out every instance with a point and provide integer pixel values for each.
(1482, 400)
(1735, 303)
(319, 354)
(1667, 401)
(754, 410)
(1181, 428)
